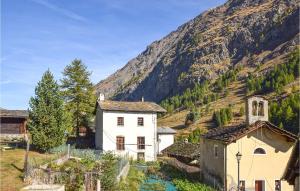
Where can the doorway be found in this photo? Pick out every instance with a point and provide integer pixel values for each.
(141, 156)
(259, 185)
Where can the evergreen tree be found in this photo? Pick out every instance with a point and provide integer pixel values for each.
(77, 91)
(242, 111)
(49, 122)
(217, 118)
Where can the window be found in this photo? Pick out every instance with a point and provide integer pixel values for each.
(261, 109)
(140, 121)
(242, 185)
(141, 143)
(216, 151)
(254, 108)
(277, 185)
(259, 151)
(120, 143)
(140, 156)
(120, 121)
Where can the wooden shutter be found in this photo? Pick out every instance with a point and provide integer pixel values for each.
(140, 121)
(120, 143)
(120, 121)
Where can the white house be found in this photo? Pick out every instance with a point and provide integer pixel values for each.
(127, 128)
(165, 138)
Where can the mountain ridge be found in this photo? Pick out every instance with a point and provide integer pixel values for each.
(240, 32)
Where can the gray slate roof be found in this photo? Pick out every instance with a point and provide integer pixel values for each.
(14, 113)
(109, 105)
(230, 134)
(182, 149)
(165, 130)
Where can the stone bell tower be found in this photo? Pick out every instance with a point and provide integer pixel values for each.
(256, 109)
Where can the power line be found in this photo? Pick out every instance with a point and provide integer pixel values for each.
(126, 148)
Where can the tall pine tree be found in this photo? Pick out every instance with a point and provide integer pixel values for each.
(49, 122)
(77, 91)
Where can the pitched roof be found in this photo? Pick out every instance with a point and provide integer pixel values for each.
(14, 113)
(165, 130)
(232, 133)
(292, 169)
(182, 149)
(130, 106)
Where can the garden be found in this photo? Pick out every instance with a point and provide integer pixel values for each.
(160, 176)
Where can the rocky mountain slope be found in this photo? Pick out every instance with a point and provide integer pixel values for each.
(240, 32)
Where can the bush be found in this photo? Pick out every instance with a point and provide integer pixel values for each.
(132, 181)
(194, 136)
(192, 117)
(185, 185)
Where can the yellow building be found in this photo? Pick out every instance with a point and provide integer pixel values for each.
(265, 150)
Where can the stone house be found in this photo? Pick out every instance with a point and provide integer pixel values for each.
(265, 151)
(127, 128)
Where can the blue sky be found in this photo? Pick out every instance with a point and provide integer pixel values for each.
(104, 34)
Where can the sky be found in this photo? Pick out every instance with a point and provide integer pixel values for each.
(37, 35)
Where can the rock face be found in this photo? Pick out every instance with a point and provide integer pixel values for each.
(206, 47)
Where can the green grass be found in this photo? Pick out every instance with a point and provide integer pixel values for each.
(11, 167)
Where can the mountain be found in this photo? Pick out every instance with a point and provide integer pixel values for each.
(249, 33)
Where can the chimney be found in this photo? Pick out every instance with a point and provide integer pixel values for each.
(256, 109)
(142, 98)
(101, 97)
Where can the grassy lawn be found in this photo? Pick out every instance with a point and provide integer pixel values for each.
(11, 167)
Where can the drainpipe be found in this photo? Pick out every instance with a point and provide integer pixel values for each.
(155, 134)
(225, 167)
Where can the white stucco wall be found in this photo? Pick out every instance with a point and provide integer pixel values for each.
(164, 140)
(130, 131)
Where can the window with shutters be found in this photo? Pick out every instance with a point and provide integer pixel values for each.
(141, 143)
(120, 143)
(140, 121)
(120, 121)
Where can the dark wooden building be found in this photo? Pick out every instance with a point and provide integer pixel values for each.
(13, 122)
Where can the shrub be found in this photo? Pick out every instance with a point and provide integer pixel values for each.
(191, 117)
(185, 185)
(242, 111)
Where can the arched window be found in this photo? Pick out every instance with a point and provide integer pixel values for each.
(254, 108)
(261, 108)
(260, 151)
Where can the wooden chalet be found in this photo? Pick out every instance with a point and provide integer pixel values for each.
(13, 122)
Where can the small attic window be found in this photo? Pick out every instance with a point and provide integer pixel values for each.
(259, 151)
(261, 108)
(254, 108)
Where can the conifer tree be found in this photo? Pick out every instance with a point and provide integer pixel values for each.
(77, 91)
(49, 122)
